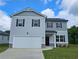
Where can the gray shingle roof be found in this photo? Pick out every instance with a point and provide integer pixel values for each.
(4, 33)
(51, 31)
(56, 19)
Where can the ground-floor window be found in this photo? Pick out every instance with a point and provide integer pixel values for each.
(57, 38)
(60, 38)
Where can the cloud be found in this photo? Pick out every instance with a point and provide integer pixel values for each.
(66, 4)
(58, 2)
(72, 20)
(46, 1)
(74, 8)
(2, 3)
(48, 12)
(4, 21)
(69, 12)
(71, 6)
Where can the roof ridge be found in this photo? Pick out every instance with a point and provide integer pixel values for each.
(28, 9)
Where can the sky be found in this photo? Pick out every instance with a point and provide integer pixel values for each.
(67, 9)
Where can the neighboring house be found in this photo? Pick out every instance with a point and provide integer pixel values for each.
(4, 38)
(30, 29)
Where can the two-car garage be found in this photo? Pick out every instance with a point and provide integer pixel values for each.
(27, 42)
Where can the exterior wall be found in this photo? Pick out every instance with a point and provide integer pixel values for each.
(60, 31)
(52, 38)
(64, 27)
(63, 33)
(32, 31)
(4, 39)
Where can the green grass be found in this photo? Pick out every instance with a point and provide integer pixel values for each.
(70, 52)
(3, 47)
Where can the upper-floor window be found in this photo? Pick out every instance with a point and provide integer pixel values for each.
(36, 23)
(58, 25)
(20, 22)
(49, 24)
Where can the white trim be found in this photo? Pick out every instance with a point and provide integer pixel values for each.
(54, 40)
(62, 42)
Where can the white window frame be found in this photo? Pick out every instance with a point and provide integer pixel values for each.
(60, 38)
(49, 24)
(20, 22)
(63, 38)
(59, 25)
(57, 38)
(37, 21)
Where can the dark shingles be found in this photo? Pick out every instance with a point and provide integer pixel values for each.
(56, 19)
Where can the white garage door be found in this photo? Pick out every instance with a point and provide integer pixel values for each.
(27, 42)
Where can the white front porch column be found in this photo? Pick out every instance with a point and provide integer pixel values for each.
(54, 40)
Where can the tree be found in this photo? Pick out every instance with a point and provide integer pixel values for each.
(73, 35)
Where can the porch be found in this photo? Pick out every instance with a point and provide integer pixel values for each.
(50, 39)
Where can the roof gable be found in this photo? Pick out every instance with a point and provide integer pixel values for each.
(27, 12)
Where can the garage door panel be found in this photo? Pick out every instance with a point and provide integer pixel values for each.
(26, 42)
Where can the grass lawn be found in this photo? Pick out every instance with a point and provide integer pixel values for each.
(70, 52)
(3, 47)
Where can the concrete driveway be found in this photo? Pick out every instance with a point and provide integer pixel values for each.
(22, 54)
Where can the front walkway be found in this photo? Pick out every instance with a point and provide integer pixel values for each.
(22, 54)
(47, 48)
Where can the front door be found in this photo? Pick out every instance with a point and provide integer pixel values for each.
(47, 41)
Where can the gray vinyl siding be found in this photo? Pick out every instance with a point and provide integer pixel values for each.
(32, 31)
(64, 26)
(60, 31)
(22, 31)
(4, 39)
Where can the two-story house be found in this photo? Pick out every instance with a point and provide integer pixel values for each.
(30, 29)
